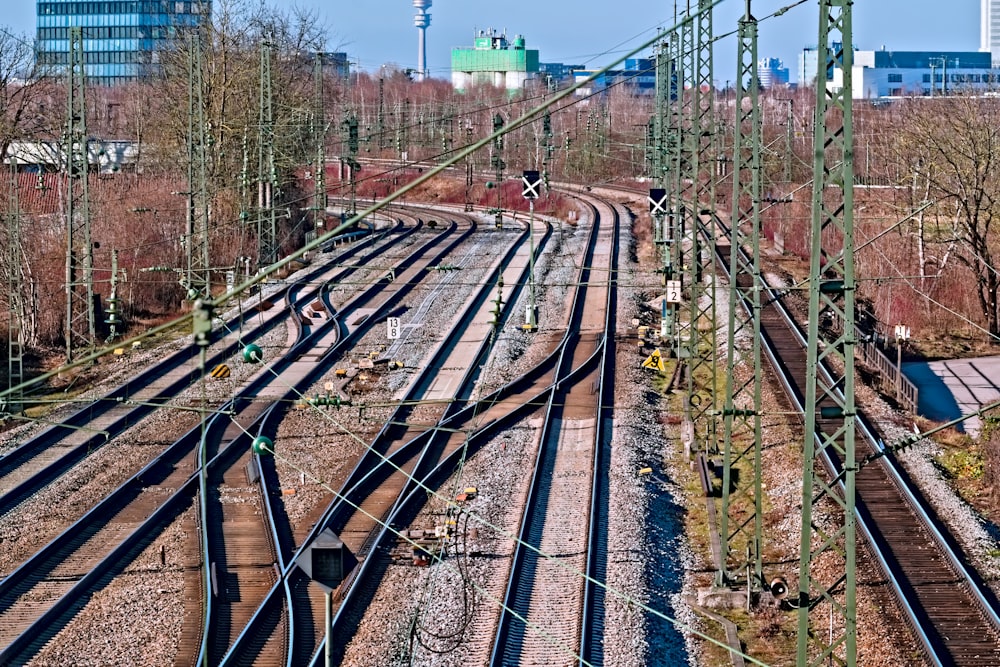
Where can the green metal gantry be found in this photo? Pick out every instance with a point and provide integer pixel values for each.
(79, 325)
(740, 523)
(267, 175)
(197, 276)
(825, 594)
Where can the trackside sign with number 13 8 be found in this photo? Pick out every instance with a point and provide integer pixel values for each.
(392, 327)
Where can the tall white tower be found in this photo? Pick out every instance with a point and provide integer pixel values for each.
(422, 20)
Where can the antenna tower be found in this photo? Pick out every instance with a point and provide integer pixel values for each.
(422, 20)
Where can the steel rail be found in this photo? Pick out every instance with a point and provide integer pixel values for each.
(507, 643)
(985, 601)
(33, 570)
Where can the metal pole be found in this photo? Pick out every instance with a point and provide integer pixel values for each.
(79, 326)
(328, 624)
(741, 533)
(789, 121)
(529, 317)
(113, 320)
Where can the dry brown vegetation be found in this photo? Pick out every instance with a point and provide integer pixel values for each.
(936, 271)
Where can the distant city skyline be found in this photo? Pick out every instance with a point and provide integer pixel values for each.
(382, 32)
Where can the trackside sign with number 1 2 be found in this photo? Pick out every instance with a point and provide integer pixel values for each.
(673, 291)
(392, 327)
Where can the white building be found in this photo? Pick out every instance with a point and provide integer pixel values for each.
(921, 73)
(989, 30)
(772, 72)
(105, 157)
(495, 61)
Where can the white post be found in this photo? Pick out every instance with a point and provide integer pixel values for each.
(530, 322)
(328, 606)
(902, 334)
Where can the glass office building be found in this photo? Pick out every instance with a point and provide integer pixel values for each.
(123, 40)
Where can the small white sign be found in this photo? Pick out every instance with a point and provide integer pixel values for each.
(673, 291)
(392, 327)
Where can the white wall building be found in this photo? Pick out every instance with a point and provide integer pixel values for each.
(919, 73)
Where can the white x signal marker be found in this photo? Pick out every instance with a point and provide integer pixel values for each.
(657, 201)
(532, 185)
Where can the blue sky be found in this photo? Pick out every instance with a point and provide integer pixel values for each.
(374, 32)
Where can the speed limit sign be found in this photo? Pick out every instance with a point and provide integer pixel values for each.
(392, 327)
(673, 291)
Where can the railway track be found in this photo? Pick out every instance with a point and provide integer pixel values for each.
(264, 528)
(950, 612)
(563, 531)
(579, 356)
(399, 443)
(76, 555)
(44, 458)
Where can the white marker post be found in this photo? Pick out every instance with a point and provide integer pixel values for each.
(902, 334)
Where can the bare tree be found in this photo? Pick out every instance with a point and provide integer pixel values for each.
(990, 439)
(22, 88)
(954, 146)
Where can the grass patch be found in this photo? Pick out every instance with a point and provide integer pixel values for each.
(962, 464)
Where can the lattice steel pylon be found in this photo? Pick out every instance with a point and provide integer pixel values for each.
(498, 165)
(740, 522)
(319, 137)
(678, 158)
(197, 276)
(547, 147)
(829, 407)
(351, 124)
(698, 196)
(12, 403)
(267, 176)
(469, 204)
(79, 326)
(658, 152)
(665, 161)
